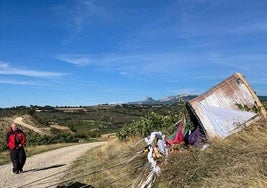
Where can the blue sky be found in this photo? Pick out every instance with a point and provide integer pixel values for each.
(85, 52)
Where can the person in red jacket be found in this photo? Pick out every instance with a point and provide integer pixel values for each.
(16, 140)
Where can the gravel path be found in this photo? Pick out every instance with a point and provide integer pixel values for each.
(45, 169)
(19, 120)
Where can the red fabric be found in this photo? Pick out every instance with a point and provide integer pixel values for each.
(179, 137)
(11, 139)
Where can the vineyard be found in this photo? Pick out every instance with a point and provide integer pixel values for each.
(146, 125)
(90, 122)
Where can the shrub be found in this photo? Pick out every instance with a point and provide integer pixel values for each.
(143, 127)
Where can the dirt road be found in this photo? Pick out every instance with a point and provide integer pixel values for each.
(45, 169)
(19, 120)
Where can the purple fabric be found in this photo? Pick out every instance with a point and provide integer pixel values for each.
(195, 138)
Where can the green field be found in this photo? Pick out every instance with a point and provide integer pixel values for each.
(85, 122)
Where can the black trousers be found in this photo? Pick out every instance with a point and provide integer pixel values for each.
(18, 158)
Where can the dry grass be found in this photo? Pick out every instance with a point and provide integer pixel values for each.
(237, 161)
(111, 165)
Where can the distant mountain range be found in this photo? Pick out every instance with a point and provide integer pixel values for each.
(165, 100)
(174, 99)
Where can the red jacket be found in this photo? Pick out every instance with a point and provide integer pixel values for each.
(15, 138)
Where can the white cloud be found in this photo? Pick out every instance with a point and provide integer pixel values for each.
(196, 66)
(78, 60)
(186, 91)
(3, 65)
(247, 62)
(135, 64)
(83, 11)
(19, 82)
(199, 23)
(80, 14)
(142, 62)
(6, 69)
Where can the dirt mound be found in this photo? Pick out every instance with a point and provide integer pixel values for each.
(20, 121)
(30, 123)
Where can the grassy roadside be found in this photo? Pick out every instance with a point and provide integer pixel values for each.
(114, 164)
(237, 161)
(33, 150)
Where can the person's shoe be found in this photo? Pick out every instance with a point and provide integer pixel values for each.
(21, 171)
